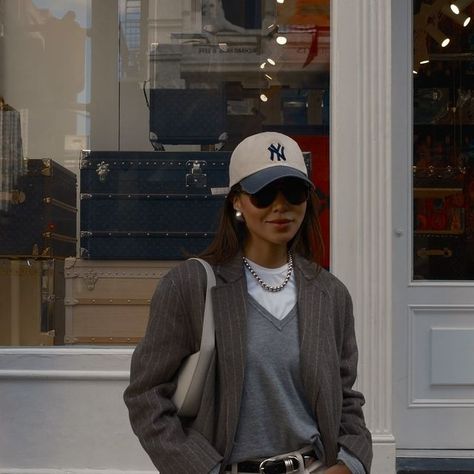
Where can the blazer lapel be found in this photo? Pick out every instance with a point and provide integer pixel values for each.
(315, 373)
(230, 313)
(311, 314)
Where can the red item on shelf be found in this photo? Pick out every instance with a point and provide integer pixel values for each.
(319, 148)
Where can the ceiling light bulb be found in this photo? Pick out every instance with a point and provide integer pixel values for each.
(263, 98)
(460, 18)
(262, 66)
(280, 1)
(420, 50)
(270, 78)
(281, 40)
(270, 61)
(459, 5)
(415, 72)
(437, 35)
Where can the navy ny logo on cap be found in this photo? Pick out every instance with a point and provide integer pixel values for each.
(278, 151)
(264, 157)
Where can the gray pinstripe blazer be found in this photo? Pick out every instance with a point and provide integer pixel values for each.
(328, 367)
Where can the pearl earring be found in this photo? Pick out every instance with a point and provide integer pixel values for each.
(239, 217)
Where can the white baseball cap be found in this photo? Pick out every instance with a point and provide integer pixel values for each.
(263, 158)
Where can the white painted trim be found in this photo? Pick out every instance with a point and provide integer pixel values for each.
(361, 133)
(441, 403)
(71, 471)
(361, 197)
(435, 453)
(44, 351)
(440, 307)
(414, 311)
(383, 438)
(442, 284)
(105, 375)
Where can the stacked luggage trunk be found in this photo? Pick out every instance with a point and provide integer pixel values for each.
(31, 302)
(37, 232)
(150, 205)
(141, 212)
(41, 220)
(108, 301)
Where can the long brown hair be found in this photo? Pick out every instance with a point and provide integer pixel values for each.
(231, 234)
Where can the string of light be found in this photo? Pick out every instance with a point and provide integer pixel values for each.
(426, 24)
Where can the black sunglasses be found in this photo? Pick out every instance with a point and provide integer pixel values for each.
(295, 191)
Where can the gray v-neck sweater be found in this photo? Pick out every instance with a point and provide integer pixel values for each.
(274, 416)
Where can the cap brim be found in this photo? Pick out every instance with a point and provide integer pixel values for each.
(255, 182)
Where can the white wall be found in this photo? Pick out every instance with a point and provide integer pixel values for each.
(62, 409)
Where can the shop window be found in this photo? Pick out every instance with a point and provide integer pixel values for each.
(108, 108)
(443, 153)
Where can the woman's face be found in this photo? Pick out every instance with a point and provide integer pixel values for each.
(275, 223)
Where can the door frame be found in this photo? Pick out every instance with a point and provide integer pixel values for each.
(409, 304)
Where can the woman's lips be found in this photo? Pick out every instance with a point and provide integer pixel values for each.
(280, 222)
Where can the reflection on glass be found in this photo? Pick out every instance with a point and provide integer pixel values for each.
(44, 48)
(90, 88)
(443, 154)
(242, 51)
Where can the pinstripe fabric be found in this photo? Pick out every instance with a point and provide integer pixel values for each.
(11, 153)
(328, 367)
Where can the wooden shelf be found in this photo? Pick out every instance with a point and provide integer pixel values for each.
(439, 232)
(447, 125)
(435, 192)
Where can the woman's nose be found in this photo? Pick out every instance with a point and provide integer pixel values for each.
(280, 201)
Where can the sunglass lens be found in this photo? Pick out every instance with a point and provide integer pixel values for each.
(295, 193)
(264, 197)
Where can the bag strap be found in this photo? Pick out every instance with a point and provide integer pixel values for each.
(208, 327)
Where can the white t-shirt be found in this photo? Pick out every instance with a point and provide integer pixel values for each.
(278, 303)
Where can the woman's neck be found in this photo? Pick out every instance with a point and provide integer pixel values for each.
(269, 257)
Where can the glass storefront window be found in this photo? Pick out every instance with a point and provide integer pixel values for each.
(118, 119)
(443, 153)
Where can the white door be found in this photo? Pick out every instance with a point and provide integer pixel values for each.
(433, 313)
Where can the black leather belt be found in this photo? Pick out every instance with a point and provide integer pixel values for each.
(278, 466)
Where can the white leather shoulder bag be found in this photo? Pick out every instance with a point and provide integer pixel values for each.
(193, 371)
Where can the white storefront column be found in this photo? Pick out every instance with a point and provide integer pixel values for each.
(361, 141)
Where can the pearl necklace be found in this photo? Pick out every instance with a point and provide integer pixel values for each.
(266, 286)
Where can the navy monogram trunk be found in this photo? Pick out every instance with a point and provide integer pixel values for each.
(150, 205)
(41, 220)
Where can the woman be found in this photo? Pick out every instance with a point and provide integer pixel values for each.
(278, 396)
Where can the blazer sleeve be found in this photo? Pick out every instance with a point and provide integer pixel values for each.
(353, 434)
(172, 447)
